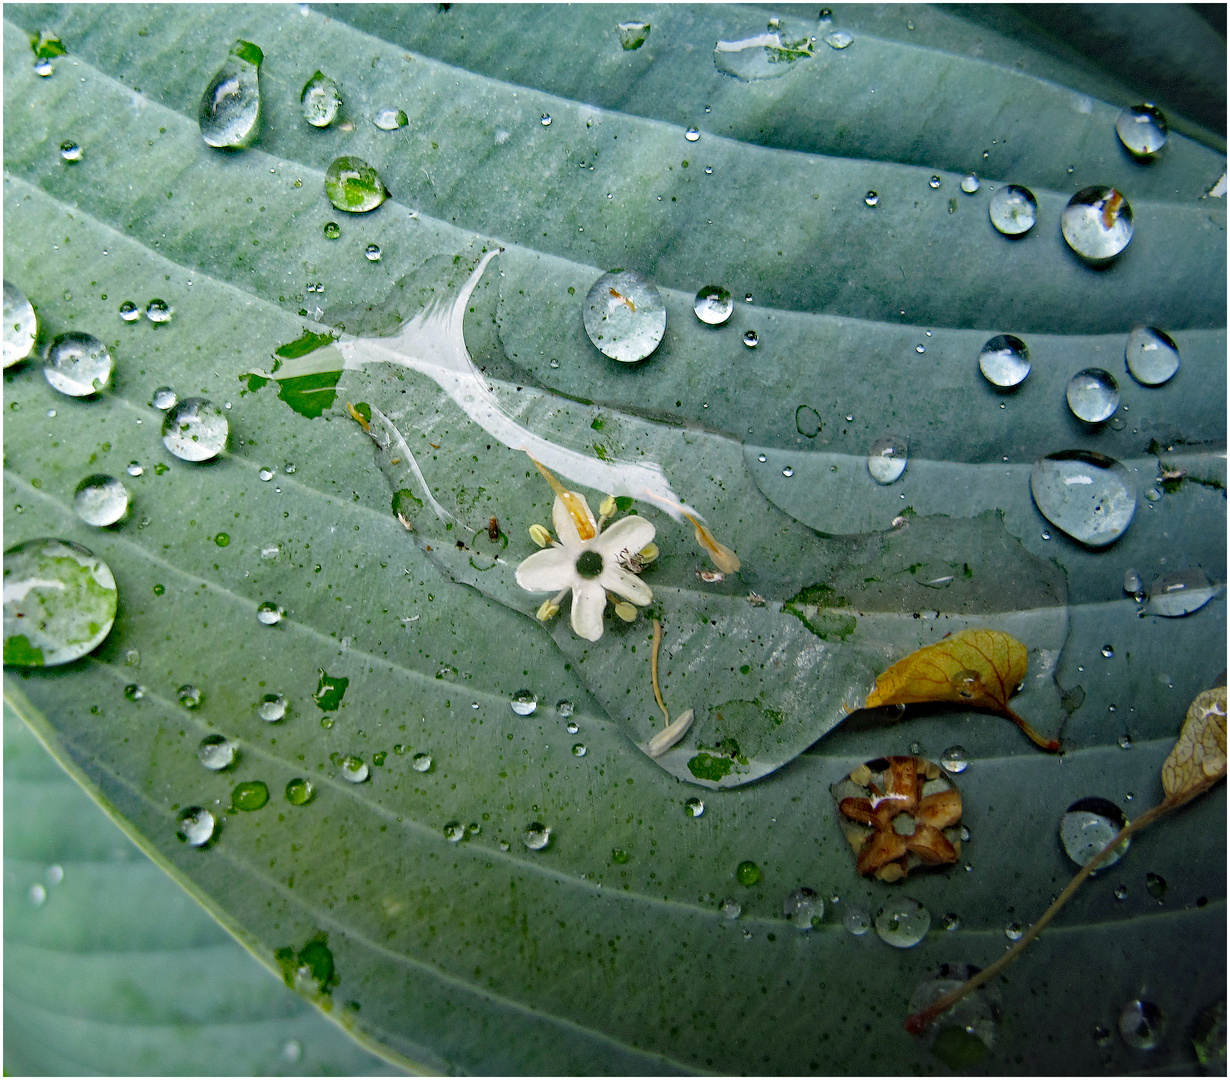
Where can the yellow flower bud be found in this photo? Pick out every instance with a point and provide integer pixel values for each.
(548, 610)
(626, 611)
(540, 535)
(607, 507)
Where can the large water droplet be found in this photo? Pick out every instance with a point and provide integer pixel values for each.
(536, 836)
(955, 759)
(390, 119)
(270, 614)
(713, 305)
(20, 325)
(421, 762)
(299, 791)
(887, 458)
(1088, 826)
(1180, 592)
(1093, 395)
(1142, 129)
(59, 602)
(804, 908)
(1152, 356)
(1004, 361)
(632, 35)
(731, 908)
(962, 1036)
(1142, 1025)
(1087, 495)
(216, 752)
(250, 795)
(694, 807)
(321, 100)
(1013, 210)
(158, 311)
(195, 826)
(354, 186)
(970, 183)
(101, 500)
(353, 769)
(230, 111)
(624, 316)
(272, 708)
(1097, 223)
(747, 873)
(78, 364)
(903, 922)
(856, 921)
(524, 702)
(195, 430)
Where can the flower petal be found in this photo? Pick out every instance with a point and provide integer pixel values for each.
(629, 535)
(565, 526)
(621, 583)
(548, 570)
(588, 604)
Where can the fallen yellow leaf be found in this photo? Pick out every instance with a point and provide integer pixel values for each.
(1199, 757)
(972, 667)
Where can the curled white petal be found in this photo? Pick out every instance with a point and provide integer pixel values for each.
(667, 738)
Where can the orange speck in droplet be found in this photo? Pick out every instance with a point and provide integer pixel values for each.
(620, 296)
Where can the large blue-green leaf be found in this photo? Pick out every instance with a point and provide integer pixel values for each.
(606, 951)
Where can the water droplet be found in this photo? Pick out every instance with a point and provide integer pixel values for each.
(216, 752)
(158, 311)
(353, 769)
(970, 183)
(1180, 592)
(390, 119)
(751, 339)
(620, 856)
(1093, 395)
(545, 120)
(270, 614)
(536, 836)
(962, 1036)
(59, 602)
(70, 151)
(129, 311)
(272, 708)
(42, 67)
(78, 364)
(1004, 361)
(578, 750)
(164, 398)
(299, 791)
(839, 39)
(872, 198)
(565, 710)
(372, 253)
(332, 230)
(354, 186)
(747, 873)
(20, 325)
(903, 922)
(250, 795)
(1152, 356)
(856, 921)
(1097, 223)
(1156, 884)
(887, 458)
(1152, 494)
(788, 472)
(920, 348)
(692, 135)
(292, 1051)
(694, 807)
(134, 692)
(934, 182)
(230, 110)
(196, 826)
(730, 908)
(1088, 826)
(454, 832)
(632, 35)
(713, 305)
(1141, 1025)
(624, 316)
(195, 430)
(708, 170)
(1013, 210)
(1087, 495)
(101, 500)
(421, 762)
(804, 908)
(524, 702)
(951, 921)
(954, 759)
(1132, 583)
(1014, 931)
(321, 100)
(1142, 129)
(189, 696)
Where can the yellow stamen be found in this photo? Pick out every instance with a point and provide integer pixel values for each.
(648, 553)
(548, 610)
(572, 502)
(723, 558)
(608, 507)
(626, 611)
(540, 535)
(653, 668)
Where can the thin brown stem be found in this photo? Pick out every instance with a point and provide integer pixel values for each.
(653, 669)
(1040, 740)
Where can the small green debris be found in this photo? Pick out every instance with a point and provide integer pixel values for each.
(311, 967)
(632, 35)
(330, 691)
(247, 52)
(301, 346)
(618, 855)
(18, 650)
(222, 539)
(309, 395)
(707, 767)
(46, 46)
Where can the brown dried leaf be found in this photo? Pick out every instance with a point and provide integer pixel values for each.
(1199, 756)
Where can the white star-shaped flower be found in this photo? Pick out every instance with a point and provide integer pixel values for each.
(587, 562)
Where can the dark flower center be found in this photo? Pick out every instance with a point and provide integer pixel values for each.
(589, 564)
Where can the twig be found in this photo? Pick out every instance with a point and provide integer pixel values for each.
(653, 668)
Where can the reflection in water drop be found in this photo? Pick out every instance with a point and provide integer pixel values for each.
(524, 702)
(101, 500)
(856, 921)
(624, 316)
(158, 311)
(970, 183)
(421, 762)
(713, 305)
(195, 430)
(78, 364)
(694, 807)
(954, 759)
(351, 184)
(299, 791)
(390, 119)
(536, 836)
(353, 769)
(1180, 592)
(1087, 495)
(129, 311)
(1142, 129)
(320, 100)
(164, 398)
(804, 908)
(1097, 223)
(1013, 210)
(1152, 356)
(216, 752)
(272, 708)
(1142, 1025)
(20, 325)
(903, 922)
(230, 111)
(1093, 395)
(195, 826)
(1088, 826)
(887, 458)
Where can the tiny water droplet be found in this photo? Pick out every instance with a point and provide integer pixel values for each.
(299, 791)
(920, 348)
(129, 311)
(390, 119)
(762, 458)
(951, 921)
(195, 430)
(536, 836)
(887, 458)
(545, 120)
(101, 500)
(1013, 210)
(216, 752)
(332, 230)
(78, 364)
(1156, 884)
(730, 908)
(839, 39)
(454, 832)
(578, 750)
(713, 305)
(372, 252)
(1125, 740)
(619, 856)
(250, 795)
(788, 472)
(524, 702)
(1093, 395)
(955, 759)
(903, 922)
(571, 728)
(804, 908)
(272, 708)
(856, 921)
(353, 769)
(134, 692)
(872, 198)
(692, 134)
(269, 614)
(195, 826)
(1152, 356)
(189, 696)
(421, 762)
(694, 807)
(158, 311)
(1108, 651)
(70, 151)
(1142, 1025)
(1142, 129)
(751, 339)
(351, 184)
(42, 67)
(934, 182)
(320, 100)
(970, 183)
(1014, 931)
(292, 1051)
(747, 873)
(708, 170)
(1097, 223)
(565, 710)
(1089, 825)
